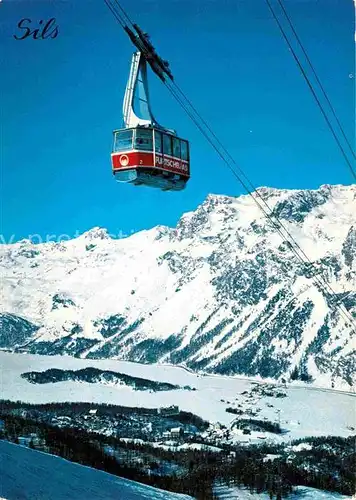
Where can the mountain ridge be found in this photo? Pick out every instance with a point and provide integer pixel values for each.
(220, 292)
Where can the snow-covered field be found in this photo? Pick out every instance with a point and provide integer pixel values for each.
(305, 411)
(28, 475)
(302, 493)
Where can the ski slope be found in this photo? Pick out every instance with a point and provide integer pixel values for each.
(28, 475)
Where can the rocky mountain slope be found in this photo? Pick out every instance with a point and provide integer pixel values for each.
(221, 292)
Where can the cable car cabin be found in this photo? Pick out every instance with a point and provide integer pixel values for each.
(152, 157)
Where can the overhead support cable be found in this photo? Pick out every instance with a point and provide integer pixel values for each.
(230, 162)
(311, 88)
(317, 78)
(115, 13)
(322, 283)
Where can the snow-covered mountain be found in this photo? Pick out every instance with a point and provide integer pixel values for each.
(221, 292)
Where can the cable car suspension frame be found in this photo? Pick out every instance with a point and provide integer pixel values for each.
(144, 152)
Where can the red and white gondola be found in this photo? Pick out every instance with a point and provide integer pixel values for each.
(145, 153)
(150, 156)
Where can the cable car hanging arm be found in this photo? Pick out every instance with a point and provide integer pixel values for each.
(142, 42)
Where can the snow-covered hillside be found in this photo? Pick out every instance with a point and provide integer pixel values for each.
(221, 292)
(301, 492)
(30, 474)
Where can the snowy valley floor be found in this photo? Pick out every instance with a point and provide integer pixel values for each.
(303, 411)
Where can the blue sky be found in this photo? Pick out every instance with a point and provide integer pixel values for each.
(62, 98)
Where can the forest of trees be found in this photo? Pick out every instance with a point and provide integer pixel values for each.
(200, 470)
(256, 425)
(92, 375)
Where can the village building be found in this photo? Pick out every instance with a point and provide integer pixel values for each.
(168, 410)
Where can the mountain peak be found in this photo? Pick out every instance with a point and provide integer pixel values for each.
(96, 233)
